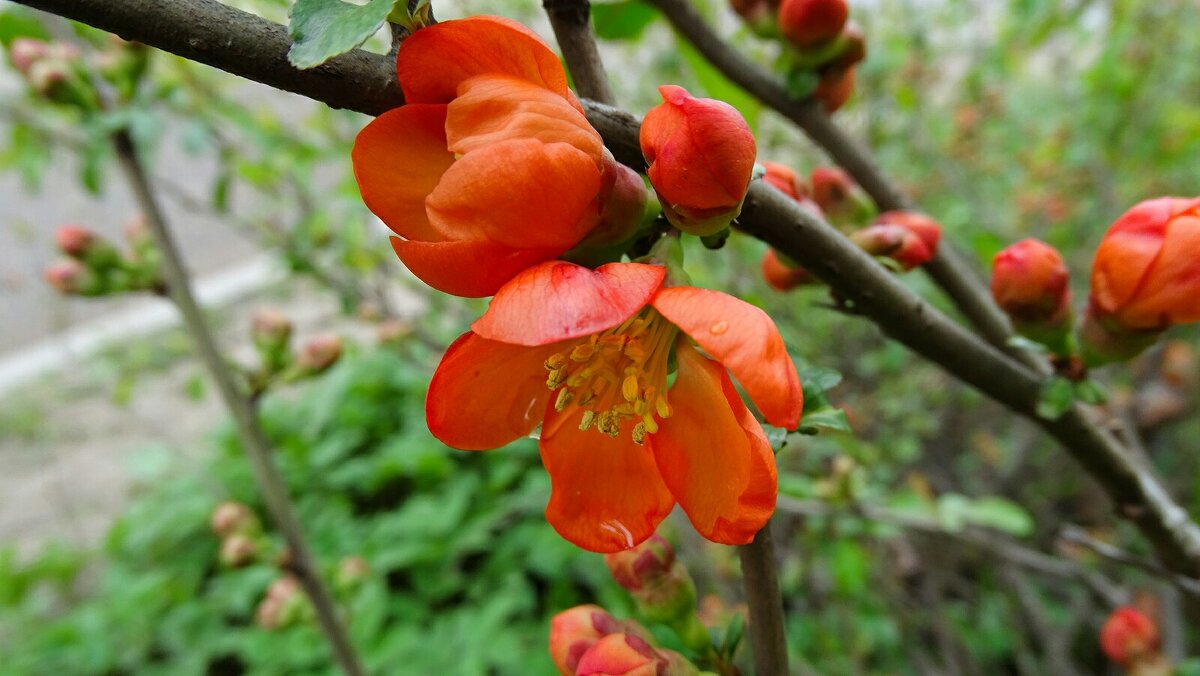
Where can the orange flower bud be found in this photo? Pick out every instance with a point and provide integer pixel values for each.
(1029, 282)
(835, 87)
(784, 179)
(623, 198)
(701, 156)
(780, 275)
(1146, 274)
(319, 354)
(575, 630)
(1129, 636)
(807, 23)
(233, 517)
(833, 190)
(620, 655)
(643, 566)
(895, 242)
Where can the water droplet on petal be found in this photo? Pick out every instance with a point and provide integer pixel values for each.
(719, 328)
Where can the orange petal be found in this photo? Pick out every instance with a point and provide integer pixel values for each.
(558, 300)
(745, 340)
(433, 61)
(713, 454)
(606, 492)
(523, 193)
(398, 160)
(492, 108)
(1127, 251)
(1170, 290)
(485, 394)
(472, 269)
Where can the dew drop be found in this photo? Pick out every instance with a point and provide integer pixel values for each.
(719, 328)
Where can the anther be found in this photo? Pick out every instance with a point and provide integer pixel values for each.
(589, 419)
(564, 397)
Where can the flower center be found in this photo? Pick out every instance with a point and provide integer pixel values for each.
(617, 375)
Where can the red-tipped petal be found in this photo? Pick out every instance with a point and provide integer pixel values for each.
(398, 160)
(485, 394)
(433, 61)
(607, 494)
(745, 340)
(713, 454)
(523, 193)
(472, 269)
(491, 108)
(558, 300)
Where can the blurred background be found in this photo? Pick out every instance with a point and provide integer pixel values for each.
(929, 539)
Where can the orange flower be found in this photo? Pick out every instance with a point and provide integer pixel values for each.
(491, 166)
(587, 353)
(701, 157)
(1146, 274)
(1128, 636)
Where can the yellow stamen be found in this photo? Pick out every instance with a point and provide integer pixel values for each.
(617, 377)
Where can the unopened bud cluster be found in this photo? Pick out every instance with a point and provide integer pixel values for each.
(60, 72)
(588, 641)
(904, 240)
(92, 266)
(271, 332)
(822, 48)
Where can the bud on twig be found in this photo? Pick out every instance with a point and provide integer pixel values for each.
(238, 550)
(231, 517)
(575, 630)
(1128, 637)
(318, 354)
(72, 278)
(661, 587)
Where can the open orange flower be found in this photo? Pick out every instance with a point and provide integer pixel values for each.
(491, 165)
(587, 353)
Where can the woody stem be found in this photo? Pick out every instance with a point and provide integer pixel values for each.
(573, 31)
(760, 575)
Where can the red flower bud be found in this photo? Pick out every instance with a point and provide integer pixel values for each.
(75, 240)
(851, 48)
(622, 202)
(24, 52)
(701, 156)
(620, 655)
(237, 550)
(1128, 636)
(1029, 282)
(784, 179)
(282, 605)
(71, 278)
(810, 22)
(835, 87)
(919, 224)
(575, 630)
(351, 571)
(320, 353)
(1146, 274)
(762, 16)
(233, 517)
(832, 189)
(270, 329)
(642, 566)
(895, 242)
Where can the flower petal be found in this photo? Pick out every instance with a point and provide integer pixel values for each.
(523, 193)
(492, 108)
(433, 61)
(745, 340)
(606, 492)
(558, 300)
(1128, 250)
(398, 160)
(713, 454)
(486, 394)
(1168, 291)
(472, 269)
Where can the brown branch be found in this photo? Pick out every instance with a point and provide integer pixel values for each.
(768, 215)
(258, 450)
(1077, 536)
(573, 31)
(760, 575)
(948, 269)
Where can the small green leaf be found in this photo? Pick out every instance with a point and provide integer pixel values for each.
(1024, 343)
(999, 514)
(322, 29)
(733, 636)
(776, 436)
(824, 418)
(17, 22)
(1090, 392)
(1055, 398)
(625, 20)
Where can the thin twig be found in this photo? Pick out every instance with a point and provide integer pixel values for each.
(573, 31)
(258, 451)
(1078, 536)
(760, 574)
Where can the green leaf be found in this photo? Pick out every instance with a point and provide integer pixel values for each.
(622, 20)
(322, 29)
(1055, 398)
(717, 86)
(999, 514)
(824, 418)
(17, 22)
(1090, 392)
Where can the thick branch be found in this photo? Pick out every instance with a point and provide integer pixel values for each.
(768, 215)
(573, 31)
(948, 269)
